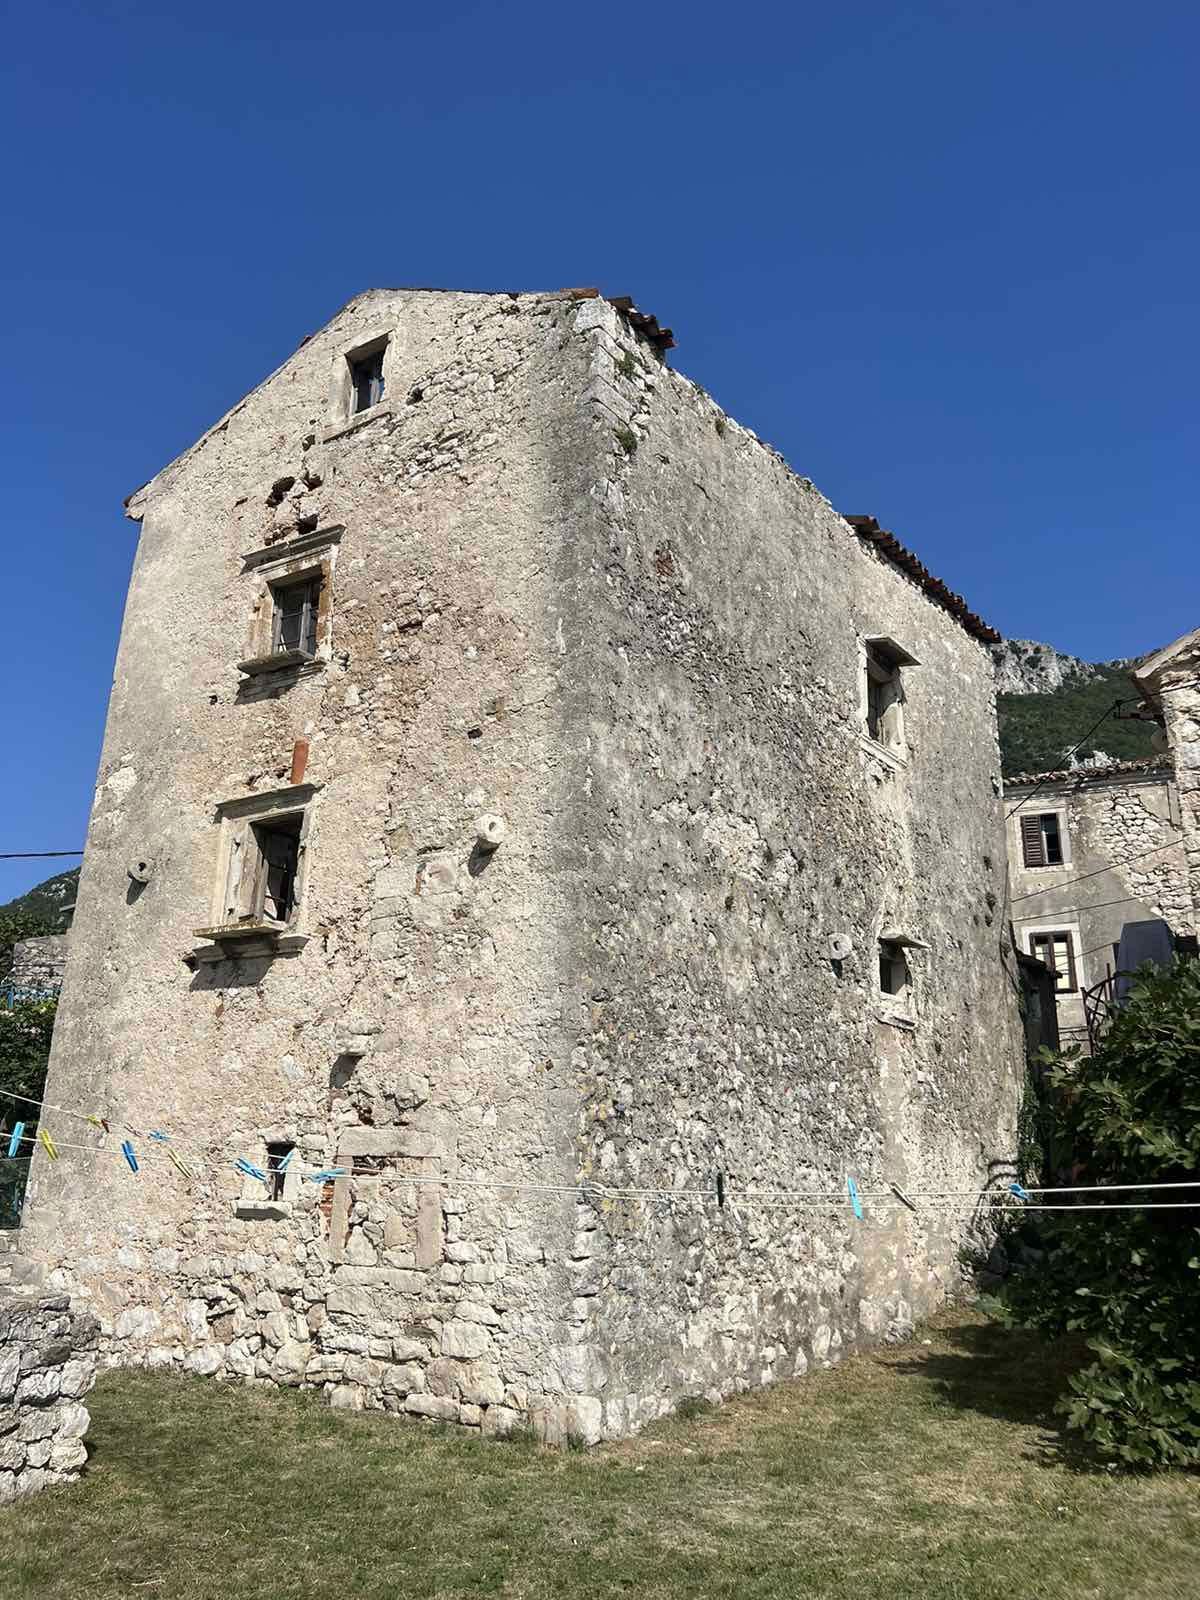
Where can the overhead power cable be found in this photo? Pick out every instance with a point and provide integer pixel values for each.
(35, 855)
(1045, 778)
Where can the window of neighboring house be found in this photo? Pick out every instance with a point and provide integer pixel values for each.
(366, 379)
(1056, 951)
(264, 872)
(884, 661)
(277, 1158)
(895, 978)
(295, 608)
(1041, 839)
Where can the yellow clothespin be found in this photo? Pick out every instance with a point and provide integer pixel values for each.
(174, 1159)
(48, 1144)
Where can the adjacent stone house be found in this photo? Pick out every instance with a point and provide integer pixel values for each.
(38, 964)
(1091, 852)
(1170, 682)
(519, 786)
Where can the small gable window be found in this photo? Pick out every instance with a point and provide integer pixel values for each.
(884, 662)
(366, 378)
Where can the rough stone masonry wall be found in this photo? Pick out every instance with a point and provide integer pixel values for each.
(1180, 699)
(1125, 862)
(566, 591)
(47, 1365)
(436, 705)
(39, 963)
(728, 819)
(1136, 827)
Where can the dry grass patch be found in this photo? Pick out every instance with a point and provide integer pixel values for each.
(932, 1471)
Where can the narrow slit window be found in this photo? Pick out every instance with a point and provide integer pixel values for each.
(294, 621)
(366, 379)
(894, 976)
(278, 1157)
(883, 663)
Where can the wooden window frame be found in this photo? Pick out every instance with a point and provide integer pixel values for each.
(882, 667)
(312, 584)
(367, 368)
(1046, 938)
(1035, 837)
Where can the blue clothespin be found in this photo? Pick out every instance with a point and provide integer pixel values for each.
(250, 1169)
(128, 1153)
(854, 1200)
(160, 1138)
(14, 1144)
(1021, 1194)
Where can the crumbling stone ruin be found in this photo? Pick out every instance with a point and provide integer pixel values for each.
(38, 964)
(47, 1365)
(520, 786)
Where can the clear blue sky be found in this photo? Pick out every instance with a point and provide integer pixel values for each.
(942, 256)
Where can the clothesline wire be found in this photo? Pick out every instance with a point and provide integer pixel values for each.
(783, 1196)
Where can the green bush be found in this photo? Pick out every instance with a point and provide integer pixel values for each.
(1129, 1281)
(1037, 730)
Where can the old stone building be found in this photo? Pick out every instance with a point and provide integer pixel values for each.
(1170, 682)
(38, 964)
(1093, 854)
(520, 786)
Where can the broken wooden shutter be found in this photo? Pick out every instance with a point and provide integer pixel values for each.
(232, 908)
(312, 599)
(1033, 845)
(279, 853)
(1069, 947)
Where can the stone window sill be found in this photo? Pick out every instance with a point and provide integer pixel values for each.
(891, 758)
(262, 1210)
(240, 939)
(360, 419)
(896, 1019)
(279, 661)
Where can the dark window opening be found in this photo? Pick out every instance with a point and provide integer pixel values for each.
(366, 377)
(1056, 950)
(277, 869)
(294, 624)
(893, 969)
(278, 1156)
(884, 696)
(1041, 839)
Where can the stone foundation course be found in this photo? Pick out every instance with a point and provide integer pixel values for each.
(47, 1365)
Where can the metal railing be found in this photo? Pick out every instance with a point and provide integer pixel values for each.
(12, 994)
(1099, 1006)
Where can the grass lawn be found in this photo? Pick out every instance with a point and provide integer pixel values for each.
(931, 1470)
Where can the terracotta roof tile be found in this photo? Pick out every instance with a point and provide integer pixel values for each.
(869, 530)
(1115, 769)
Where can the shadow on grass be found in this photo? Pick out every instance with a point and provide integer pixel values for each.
(1014, 1376)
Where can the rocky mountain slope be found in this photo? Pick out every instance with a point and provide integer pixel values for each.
(54, 900)
(1024, 666)
(1048, 701)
